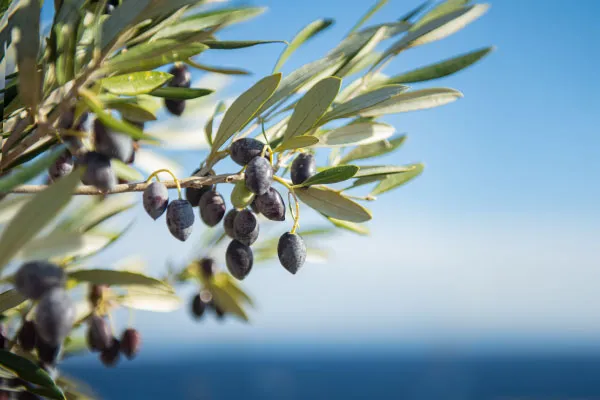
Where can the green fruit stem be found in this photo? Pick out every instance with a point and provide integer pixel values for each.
(290, 188)
(155, 175)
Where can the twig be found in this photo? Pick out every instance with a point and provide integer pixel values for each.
(192, 181)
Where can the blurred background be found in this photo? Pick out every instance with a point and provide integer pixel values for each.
(480, 279)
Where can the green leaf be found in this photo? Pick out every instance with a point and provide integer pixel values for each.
(364, 52)
(308, 32)
(36, 214)
(30, 372)
(56, 244)
(333, 204)
(445, 7)
(393, 181)
(125, 171)
(135, 83)
(374, 170)
(217, 70)
(97, 211)
(151, 299)
(417, 10)
(208, 128)
(117, 278)
(366, 100)
(29, 172)
(357, 134)
(331, 175)
(10, 299)
(27, 43)
(113, 123)
(298, 142)
(180, 93)
(228, 284)
(227, 302)
(368, 15)
(140, 109)
(153, 55)
(236, 44)
(241, 196)
(198, 22)
(312, 106)
(437, 29)
(373, 150)
(244, 108)
(412, 101)
(350, 226)
(441, 69)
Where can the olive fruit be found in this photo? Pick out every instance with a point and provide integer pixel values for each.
(156, 199)
(212, 208)
(131, 341)
(291, 251)
(254, 206)
(112, 144)
(47, 353)
(239, 259)
(95, 294)
(175, 106)
(193, 195)
(228, 222)
(182, 77)
(208, 267)
(34, 278)
(110, 356)
(180, 219)
(27, 335)
(98, 171)
(259, 175)
(55, 316)
(63, 166)
(99, 335)
(303, 167)
(243, 150)
(198, 306)
(246, 227)
(271, 205)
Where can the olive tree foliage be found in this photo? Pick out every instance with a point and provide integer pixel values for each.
(76, 108)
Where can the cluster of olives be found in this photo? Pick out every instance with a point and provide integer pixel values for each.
(44, 283)
(204, 301)
(182, 78)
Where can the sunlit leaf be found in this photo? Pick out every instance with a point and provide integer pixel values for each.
(236, 44)
(227, 302)
(10, 299)
(125, 171)
(180, 93)
(217, 70)
(244, 108)
(333, 204)
(412, 101)
(331, 175)
(36, 214)
(30, 372)
(116, 278)
(366, 100)
(157, 301)
(308, 32)
(395, 180)
(350, 226)
(368, 14)
(373, 150)
(357, 134)
(442, 8)
(135, 83)
(366, 50)
(298, 142)
(139, 109)
(29, 172)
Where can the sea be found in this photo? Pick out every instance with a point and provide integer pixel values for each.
(277, 376)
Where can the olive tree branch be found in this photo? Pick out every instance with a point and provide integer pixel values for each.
(192, 181)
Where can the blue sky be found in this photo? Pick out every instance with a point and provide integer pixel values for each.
(495, 243)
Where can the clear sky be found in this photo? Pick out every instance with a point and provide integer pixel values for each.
(496, 243)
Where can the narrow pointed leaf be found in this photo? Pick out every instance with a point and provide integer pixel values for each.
(333, 204)
(350, 226)
(441, 69)
(236, 44)
(36, 214)
(10, 299)
(331, 175)
(117, 278)
(136, 82)
(125, 171)
(375, 170)
(368, 15)
(395, 180)
(27, 34)
(312, 106)
(218, 70)
(411, 14)
(227, 302)
(412, 101)
(151, 299)
(208, 128)
(244, 108)
(357, 134)
(29, 172)
(444, 7)
(308, 32)
(28, 371)
(180, 93)
(298, 142)
(373, 150)
(367, 100)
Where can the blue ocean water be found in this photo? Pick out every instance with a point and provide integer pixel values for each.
(335, 376)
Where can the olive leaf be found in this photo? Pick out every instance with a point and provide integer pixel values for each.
(357, 134)
(10, 299)
(312, 106)
(376, 7)
(297, 142)
(241, 197)
(236, 44)
(395, 180)
(135, 83)
(441, 69)
(307, 33)
(244, 108)
(180, 93)
(373, 150)
(333, 204)
(117, 278)
(217, 70)
(442, 8)
(30, 372)
(125, 171)
(374, 170)
(140, 109)
(331, 175)
(365, 51)
(208, 128)
(150, 299)
(364, 101)
(350, 226)
(36, 214)
(226, 301)
(412, 101)
(29, 172)
(27, 43)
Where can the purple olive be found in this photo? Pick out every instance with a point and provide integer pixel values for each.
(156, 199)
